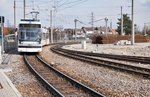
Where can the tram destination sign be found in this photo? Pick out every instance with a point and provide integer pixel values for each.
(2, 19)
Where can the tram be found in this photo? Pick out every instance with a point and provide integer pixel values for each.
(29, 36)
(45, 37)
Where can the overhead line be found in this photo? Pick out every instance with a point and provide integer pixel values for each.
(73, 5)
(63, 3)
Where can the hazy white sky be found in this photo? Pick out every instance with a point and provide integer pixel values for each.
(68, 10)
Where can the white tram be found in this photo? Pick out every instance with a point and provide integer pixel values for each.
(29, 36)
(45, 37)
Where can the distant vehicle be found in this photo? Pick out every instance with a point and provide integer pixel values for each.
(30, 36)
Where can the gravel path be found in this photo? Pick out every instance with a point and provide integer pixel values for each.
(110, 82)
(24, 81)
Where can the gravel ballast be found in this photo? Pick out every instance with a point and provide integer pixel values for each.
(23, 80)
(109, 82)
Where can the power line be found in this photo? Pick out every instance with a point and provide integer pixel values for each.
(72, 4)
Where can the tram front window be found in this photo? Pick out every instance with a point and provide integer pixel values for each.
(30, 34)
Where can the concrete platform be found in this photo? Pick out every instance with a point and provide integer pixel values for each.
(7, 89)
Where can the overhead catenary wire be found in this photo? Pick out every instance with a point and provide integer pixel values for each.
(75, 4)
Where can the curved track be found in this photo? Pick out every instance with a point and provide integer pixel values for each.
(59, 84)
(119, 66)
(138, 59)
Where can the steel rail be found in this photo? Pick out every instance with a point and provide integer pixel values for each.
(139, 59)
(115, 65)
(73, 81)
(44, 81)
(92, 92)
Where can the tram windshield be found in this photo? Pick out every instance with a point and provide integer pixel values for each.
(30, 32)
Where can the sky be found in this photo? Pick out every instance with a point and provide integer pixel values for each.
(65, 11)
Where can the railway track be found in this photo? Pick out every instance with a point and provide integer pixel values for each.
(137, 59)
(119, 66)
(59, 84)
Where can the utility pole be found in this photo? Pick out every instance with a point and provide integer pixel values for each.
(121, 22)
(14, 13)
(24, 8)
(92, 21)
(133, 34)
(111, 24)
(106, 30)
(51, 25)
(75, 21)
(75, 30)
(145, 28)
(2, 33)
